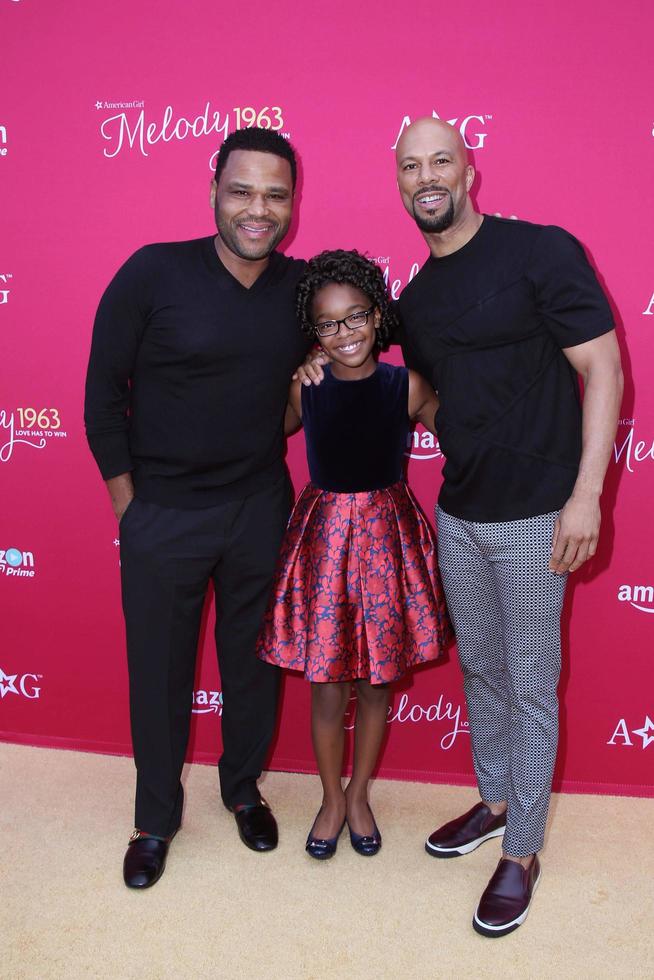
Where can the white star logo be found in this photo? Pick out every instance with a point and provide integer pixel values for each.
(7, 685)
(98, 105)
(116, 542)
(647, 727)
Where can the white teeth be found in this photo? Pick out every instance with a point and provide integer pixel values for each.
(431, 199)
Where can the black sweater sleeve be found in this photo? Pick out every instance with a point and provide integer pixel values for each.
(119, 326)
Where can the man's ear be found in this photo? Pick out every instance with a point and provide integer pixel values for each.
(212, 193)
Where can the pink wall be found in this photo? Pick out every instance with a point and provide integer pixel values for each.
(555, 103)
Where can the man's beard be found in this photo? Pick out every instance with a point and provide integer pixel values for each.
(439, 222)
(250, 251)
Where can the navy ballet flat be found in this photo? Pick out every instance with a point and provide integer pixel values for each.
(322, 848)
(366, 844)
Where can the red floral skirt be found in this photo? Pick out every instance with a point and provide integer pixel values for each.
(357, 592)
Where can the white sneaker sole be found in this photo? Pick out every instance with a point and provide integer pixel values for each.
(484, 929)
(448, 852)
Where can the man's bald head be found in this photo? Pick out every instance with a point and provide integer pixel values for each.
(434, 177)
(430, 132)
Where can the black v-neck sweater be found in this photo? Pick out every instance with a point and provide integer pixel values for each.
(189, 373)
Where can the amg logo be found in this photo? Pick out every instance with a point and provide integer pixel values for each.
(636, 594)
(474, 141)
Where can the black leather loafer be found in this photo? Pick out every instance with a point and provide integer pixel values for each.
(145, 860)
(257, 827)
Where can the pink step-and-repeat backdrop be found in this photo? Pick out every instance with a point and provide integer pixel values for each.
(110, 118)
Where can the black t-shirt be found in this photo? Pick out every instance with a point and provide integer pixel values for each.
(486, 326)
(189, 374)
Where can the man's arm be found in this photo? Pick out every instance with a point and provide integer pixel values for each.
(576, 531)
(117, 332)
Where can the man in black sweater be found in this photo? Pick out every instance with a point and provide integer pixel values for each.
(502, 318)
(194, 345)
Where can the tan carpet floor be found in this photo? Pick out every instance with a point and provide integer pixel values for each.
(222, 911)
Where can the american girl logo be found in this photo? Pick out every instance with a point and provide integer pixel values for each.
(622, 732)
(28, 426)
(9, 432)
(441, 712)
(632, 450)
(138, 132)
(395, 286)
(141, 133)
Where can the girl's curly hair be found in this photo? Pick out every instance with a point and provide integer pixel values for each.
(350, 268)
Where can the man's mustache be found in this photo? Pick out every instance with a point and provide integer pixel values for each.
(429, 190)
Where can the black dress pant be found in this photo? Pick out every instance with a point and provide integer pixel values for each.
(168, 557)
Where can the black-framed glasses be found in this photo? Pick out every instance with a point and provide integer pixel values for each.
(330, 327)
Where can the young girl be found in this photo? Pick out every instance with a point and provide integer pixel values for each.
(357, 597)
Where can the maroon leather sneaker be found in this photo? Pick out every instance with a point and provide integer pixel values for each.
(467, 832)
(505, 902)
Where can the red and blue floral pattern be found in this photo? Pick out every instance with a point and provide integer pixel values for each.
(357, 592)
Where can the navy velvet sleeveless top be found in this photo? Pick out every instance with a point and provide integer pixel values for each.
(356, 431)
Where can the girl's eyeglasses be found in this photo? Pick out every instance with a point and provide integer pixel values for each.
(330, 327)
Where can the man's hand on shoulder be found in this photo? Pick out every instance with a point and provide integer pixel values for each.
(311, 372)
(576, 533)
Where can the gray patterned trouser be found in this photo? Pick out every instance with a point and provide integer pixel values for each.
(506, 609)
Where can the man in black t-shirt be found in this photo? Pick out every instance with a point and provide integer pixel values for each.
(194, 345)
(503, 318)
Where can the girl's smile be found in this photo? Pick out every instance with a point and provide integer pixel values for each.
(350, 348)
